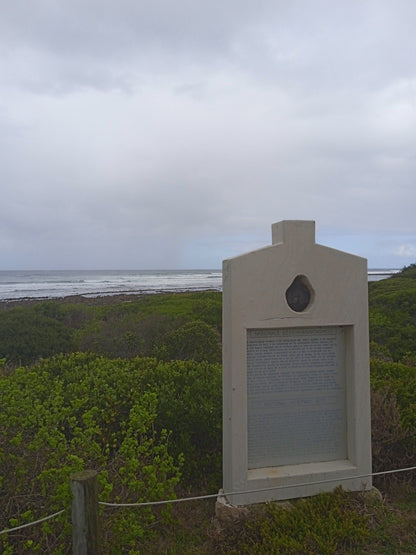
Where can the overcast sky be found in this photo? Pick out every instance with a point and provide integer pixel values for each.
(144, 134)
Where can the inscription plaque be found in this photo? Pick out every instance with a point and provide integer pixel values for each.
(296, 396)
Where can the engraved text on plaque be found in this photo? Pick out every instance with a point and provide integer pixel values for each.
(295, 396)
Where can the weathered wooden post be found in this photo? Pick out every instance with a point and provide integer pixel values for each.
(85, 526)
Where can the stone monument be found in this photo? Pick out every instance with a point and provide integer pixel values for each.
(296, 393)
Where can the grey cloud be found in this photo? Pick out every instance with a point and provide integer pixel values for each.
(164, 128)
(104, 43)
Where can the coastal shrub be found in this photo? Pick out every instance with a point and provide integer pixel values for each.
(392, 316)
(393, 407)
(126, 336)
(193, 341)
(208, 308)
(27, 335)
(200, 305)
(73, 315)
(392, 319)
(186, 306)
(400, 379)
(151, 326)
(325, 524)
(68, 414)
(139, 422)
(379, 352)
(393, 444)
(189, 404)
(407, 272)
(106, 326)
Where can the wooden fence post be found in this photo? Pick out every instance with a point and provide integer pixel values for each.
(85, 526)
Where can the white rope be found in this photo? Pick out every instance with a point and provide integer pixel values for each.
(214, 495)
(32, 523)
(230, 494)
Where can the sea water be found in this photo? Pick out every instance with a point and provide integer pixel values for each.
(91, 283)
(62, 283)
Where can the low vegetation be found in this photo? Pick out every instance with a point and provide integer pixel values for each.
(169, 326)
(132, 388)
(79, 411)
(393, 316)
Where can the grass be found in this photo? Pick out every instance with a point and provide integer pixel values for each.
(330, 523)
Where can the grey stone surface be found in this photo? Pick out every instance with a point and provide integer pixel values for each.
(296, 397)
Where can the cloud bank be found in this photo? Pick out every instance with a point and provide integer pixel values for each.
(171, 135)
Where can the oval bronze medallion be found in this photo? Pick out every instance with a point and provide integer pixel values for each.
(299, 294)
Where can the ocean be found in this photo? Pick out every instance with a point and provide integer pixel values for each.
(91, 283)
(46, 284)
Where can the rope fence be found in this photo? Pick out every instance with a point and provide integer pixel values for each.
(215, 495)
(271, 488)
(31, 523)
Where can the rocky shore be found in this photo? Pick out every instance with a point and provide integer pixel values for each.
(74, 299)
(96, 300)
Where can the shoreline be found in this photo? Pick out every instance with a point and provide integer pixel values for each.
(93, 299)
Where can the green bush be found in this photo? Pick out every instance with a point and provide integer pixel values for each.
(400, 379)
(190, 405)
(193, 341)
(392, 314)
(139, 422)
(127, 335)
(393, 444)
(326, 524)
(27, 335)
(68, 414)
(407, 272)
(106, 326)
(393, 415)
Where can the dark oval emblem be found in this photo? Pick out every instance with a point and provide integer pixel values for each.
(299, 294)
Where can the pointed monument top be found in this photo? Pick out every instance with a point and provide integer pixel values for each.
(293, 230)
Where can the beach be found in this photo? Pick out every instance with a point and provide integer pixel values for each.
(48, 284)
